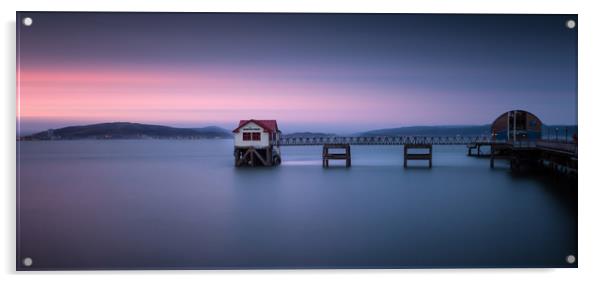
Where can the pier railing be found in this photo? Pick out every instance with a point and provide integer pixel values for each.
(560, 147)
(385, 140)
(563, 146)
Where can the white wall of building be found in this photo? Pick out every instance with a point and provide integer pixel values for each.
(252, 128)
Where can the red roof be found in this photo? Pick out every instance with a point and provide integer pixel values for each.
(269, 126)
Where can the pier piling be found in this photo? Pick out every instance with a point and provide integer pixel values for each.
(250, 156)
(407, 155)
(327, 155)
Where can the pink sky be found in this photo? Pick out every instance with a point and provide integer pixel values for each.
(310, 72)
(204, 97)
(299, 99)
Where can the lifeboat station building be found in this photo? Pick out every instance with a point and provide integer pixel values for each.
(256, 143)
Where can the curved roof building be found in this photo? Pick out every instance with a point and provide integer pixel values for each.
(516, 125)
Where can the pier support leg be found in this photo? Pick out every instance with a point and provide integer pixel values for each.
(236, 157)
(431, 162)
(405, 156)
(250, 156)
(428, 156)
(327, 155)
(324, 160)
(348, 153)
(492, 157)
(268, 156)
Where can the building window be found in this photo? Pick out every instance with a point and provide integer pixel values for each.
(246, 136)
(256, 136)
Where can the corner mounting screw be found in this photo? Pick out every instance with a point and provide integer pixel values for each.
(27, 261)
(570, 259)
(27, 21)
(571, 24)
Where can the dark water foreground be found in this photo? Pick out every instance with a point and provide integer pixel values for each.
(182, 204)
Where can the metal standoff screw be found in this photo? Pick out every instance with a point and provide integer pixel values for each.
(571, 259)
(27, 21)
(27, 261)
(571, 24)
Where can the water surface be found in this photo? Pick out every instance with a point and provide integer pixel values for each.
(182, 204)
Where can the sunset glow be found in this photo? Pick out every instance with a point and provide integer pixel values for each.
(336, 84)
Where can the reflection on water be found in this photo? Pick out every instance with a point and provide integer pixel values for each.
(182, 204)
(302, 162)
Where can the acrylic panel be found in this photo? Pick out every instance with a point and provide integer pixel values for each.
(295, 140)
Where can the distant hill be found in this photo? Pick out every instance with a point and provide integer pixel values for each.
(469, 130)
(214, 132)
(476, 130)
(126, 130)
(308, 135)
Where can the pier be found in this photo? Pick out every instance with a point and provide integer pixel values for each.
(558, 156)
(515, 136)
(477, 146)
(428, 156)
(327, 155)
(386, 140)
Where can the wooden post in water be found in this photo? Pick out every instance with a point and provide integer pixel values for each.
(492, 156)
(417, 156)
(268, 156)
(250, 156)
(327, 155)
(236, 157)
(324, 159)
(405, 156)
(348, 161)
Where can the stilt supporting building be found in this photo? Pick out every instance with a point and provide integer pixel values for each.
(250, 156)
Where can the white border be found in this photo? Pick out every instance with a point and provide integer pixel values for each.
(590, 191)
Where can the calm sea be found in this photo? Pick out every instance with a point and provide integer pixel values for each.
(182, 204)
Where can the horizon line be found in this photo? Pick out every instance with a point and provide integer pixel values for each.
(292, 132)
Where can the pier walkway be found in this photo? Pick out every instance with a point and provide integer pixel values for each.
(560, 155)
(515, 136)
(384, 140)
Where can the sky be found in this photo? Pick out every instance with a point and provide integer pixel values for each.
(337, 73)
